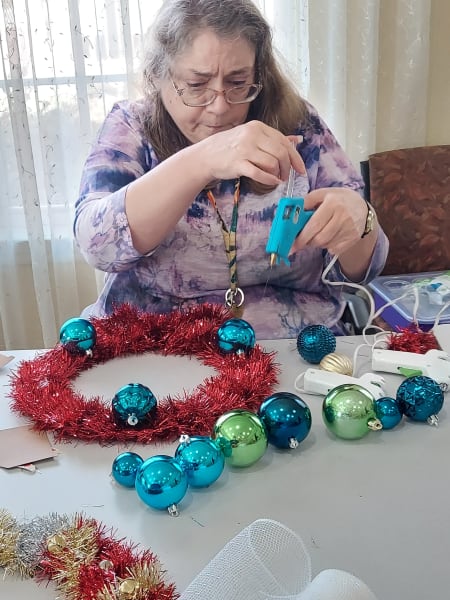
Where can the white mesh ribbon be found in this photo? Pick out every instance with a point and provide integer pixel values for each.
(268, 561)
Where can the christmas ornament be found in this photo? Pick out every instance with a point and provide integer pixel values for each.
(125, 467)
(287, 419)
(236, 335)
(134, 405)
(201, 459)
(388, 411)
(420, 398)
(337, 363)
(242, 437)
(78, 336)
(348, 411)
(314, 342)
(82, 558)
(161, 483)
(41, 389)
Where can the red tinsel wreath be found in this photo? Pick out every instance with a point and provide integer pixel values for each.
(41, 388)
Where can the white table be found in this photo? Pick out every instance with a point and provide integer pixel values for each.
(376, 507)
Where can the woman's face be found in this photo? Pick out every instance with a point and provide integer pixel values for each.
(211, 62)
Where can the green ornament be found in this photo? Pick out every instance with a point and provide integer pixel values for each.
(348, 411)
(242, 437)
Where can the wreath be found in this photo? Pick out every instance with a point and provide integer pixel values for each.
(82, 557)
(41, 389)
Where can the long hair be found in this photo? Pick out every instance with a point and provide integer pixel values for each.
(174, 29)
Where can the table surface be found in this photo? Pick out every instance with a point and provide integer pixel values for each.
(377, 507)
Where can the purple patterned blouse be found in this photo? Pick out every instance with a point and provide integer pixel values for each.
(190, 266)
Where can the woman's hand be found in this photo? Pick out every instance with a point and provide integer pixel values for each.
(337, 223)
(252, 150)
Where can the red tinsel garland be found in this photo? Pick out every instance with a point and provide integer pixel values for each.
(41, 388)
(412, 339)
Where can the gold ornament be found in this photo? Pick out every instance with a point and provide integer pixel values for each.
(56, 543)
(128, 589)
(337, 363)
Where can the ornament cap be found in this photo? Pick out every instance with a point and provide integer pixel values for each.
(374, 424)
(173, 510)
(433, 420)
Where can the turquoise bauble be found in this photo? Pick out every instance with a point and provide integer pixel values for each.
(125, 467)
(134, 405)
(78, 336)
(236, 336)
(161, 482)
(287, 419)
(388, 411)
(420, 398)
(201, 459)
(348, 411)
(242, 436)
(314, 342)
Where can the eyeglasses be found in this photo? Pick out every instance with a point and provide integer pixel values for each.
(240, 94)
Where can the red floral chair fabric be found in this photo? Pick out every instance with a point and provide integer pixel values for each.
(410, 191)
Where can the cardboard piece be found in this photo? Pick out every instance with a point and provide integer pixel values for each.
(5, 359)
(23, 446)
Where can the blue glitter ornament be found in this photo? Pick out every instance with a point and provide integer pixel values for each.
(236, 335)
(78, 336)
(287, 419)
(125, 467)
(134, 405)
(161, 482)
(314, 342)
(388, 412)
(201, 459)
(420, 398)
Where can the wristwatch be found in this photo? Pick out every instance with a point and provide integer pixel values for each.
(370, 221)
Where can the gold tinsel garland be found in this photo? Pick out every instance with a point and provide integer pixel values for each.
(81, 557)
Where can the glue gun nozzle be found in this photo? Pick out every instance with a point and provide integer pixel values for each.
(273, 259)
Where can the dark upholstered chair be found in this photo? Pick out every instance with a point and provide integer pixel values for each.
(410, 191)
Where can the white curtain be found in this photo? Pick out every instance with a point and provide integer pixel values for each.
(363, 63)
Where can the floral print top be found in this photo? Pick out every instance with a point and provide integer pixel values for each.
(190, 266)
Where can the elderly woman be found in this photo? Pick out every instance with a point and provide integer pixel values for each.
(180, 188)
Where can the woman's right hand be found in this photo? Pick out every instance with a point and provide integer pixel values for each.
(252, 150)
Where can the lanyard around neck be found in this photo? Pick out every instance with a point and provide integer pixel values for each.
(234, 296)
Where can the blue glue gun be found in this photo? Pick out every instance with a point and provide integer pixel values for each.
(290, 218)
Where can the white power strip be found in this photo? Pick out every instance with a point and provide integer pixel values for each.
(442, 334)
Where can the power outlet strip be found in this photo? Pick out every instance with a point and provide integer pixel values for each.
(442, 334)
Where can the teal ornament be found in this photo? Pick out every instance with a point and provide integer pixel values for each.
(314, 342)
(348, 411)
(161, 483)
(201, 459)
(287, 419)
(78, 336)
(242, 436)
(236, 336)
(134, 405)
(420, 398)
(388, 411)
(124, 468)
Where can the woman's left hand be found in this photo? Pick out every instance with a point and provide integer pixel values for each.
(337, 223)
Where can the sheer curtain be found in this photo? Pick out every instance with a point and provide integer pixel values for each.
(363, 63)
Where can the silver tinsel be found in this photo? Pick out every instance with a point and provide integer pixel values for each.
(33, 537)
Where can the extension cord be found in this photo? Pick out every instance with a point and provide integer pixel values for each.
(442, 334)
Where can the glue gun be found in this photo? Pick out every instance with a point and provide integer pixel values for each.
(434, 364)
(318, 381)
(290, 218)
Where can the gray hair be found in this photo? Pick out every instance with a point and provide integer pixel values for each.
(178, 22)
